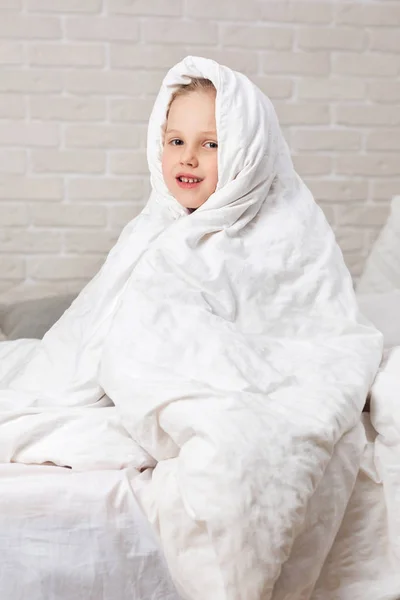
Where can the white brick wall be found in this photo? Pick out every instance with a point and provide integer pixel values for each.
(78, 79)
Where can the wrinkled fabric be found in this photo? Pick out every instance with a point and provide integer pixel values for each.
(68, 535)
(223, 355)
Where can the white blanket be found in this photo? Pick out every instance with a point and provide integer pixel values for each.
(220, 352)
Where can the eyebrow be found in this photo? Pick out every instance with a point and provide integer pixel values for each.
(213, 133)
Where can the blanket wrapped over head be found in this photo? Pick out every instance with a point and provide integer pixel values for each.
(221, 353)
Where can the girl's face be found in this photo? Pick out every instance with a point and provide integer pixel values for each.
(190, 149)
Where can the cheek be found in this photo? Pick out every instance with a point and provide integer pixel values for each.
(165, 164)
(214, 169)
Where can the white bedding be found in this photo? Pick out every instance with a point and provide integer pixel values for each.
(382, 268)
(221, 356)
(80, 536)
(364, 562)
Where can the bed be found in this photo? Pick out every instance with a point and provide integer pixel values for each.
(83, 536)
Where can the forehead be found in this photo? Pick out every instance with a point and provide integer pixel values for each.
(195, 110)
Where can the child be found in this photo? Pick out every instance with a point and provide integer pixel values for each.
(223, 351)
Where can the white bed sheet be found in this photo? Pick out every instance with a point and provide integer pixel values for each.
(362, 563)
(76, 536)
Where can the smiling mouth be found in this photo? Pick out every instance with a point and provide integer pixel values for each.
(189, 179)
(188, 183)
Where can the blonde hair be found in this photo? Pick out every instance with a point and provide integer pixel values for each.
(197, 84)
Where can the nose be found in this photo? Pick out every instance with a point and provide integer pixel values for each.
(188, 157)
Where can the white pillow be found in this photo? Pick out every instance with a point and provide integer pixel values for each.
(383, 310)
(382, 269)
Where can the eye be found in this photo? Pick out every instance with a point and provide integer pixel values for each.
(211, 145)
(176, 142)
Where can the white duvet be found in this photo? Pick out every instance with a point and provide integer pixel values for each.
(222, 354)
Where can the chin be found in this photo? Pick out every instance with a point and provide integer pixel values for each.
(185, 203)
